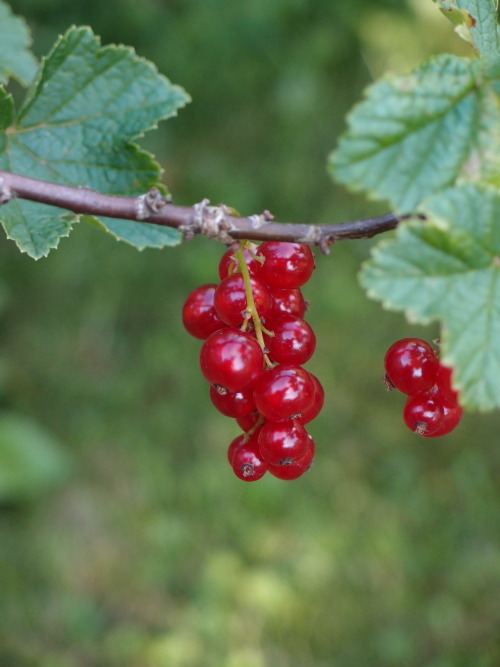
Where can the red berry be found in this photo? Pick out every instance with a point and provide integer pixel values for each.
(282, 443)
(297, 468)
(288, 301)
(248, 421)
(229, 264)
(199, 316)
(423, 414)
(230, 299)
(283, 392)
(444, 385)
(231, 358)
(247, 462)
(286, 265)
(235, 444)
(293, 342)
(232, 403)
(451, 418)
(318, 401)
(411, 365)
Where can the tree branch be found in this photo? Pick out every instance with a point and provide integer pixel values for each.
(213, 221)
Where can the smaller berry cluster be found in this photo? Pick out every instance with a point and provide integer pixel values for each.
(432, 408)
(255, 344)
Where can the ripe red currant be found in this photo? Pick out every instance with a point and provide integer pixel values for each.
(283, 392)
(229, 264)
(232, 403)
(230, 299)
(423, 414)
(286, 265)
(199, 316)
(293, 341)
(282, 443)
(247, 462)
(318, 401)
(288, 301)
(297, 468)
(444, 385)
(248, 421)
(411, 365)
(231, 358)
(452, 414)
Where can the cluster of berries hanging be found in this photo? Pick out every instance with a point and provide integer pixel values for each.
(255, 344)
(432, 408)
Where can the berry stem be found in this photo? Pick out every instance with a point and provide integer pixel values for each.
(251, 309)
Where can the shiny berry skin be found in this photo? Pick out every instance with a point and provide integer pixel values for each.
(232, 403)
(423, 414)
(235, 444)
(293, 342)
(231, 358)
(288, 301)
(318, 401)
(411, 366)
(229, 265)
(297, 468)
(283, 392)
(451, 418)
(282, 443)
(286, 265)
(199, 316)
(444, 386)
(247, 462)
(230, 299)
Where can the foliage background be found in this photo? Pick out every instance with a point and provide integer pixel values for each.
(150, 552)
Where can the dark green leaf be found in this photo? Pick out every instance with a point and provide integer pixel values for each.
(140, 235)
(448, 269)
(413, 134)
(77, 127)
(16, 59)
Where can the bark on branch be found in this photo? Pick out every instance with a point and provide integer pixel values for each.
(202, 218)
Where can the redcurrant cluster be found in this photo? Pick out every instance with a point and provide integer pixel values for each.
(255, 344)
(432, 408)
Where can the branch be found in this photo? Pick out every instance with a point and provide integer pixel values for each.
(213, 221)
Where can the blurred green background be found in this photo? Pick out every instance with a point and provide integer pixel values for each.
(125, 539)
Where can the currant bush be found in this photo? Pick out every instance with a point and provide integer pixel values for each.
(432, 408)
(255, 344)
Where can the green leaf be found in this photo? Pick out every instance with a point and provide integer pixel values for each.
(140, 235)
(448, 269)
(77, 127)
(412, 134)
(16, 59)
(476, 21)
(32, 461)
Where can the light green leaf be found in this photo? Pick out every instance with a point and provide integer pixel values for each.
(447, 268)
(16, 59)
(77, 127)
(32, 461)
(412, 134)
(140, 235)
(476, 21)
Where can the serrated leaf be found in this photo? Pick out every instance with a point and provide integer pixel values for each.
(77, 127)
(139, 235)
(476, 21)
(16, 59)
(448, 269)
(412, 134)
(32, 461)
